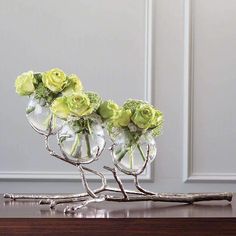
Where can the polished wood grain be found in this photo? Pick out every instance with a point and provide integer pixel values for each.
(142, 218)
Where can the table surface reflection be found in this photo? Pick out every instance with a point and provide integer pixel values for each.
(31, 209)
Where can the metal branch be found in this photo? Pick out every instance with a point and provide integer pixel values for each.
(136, 182)
(137, 185)
(104, 181)
(181, 198)
(73, 209)
(128, 195)
(113, 170)
(46, 198)
(37, 196)
(85, 183)
(54, 154)
(54, 202)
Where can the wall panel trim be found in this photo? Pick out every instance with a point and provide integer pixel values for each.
(188, 173)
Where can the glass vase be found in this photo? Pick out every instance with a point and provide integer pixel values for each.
(41, 118)
(82, 142)
(130, 152)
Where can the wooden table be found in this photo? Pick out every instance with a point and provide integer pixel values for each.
(123, 219)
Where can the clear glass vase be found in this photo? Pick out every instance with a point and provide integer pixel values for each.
(130, 154)
(83, 143)
(40, 116)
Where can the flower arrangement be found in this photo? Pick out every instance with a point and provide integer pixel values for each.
(47, 85)
(130, 127)
(85, 113)
(59, 106)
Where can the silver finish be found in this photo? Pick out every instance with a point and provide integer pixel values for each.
(73, 209)
(118, 180)
(85, 183)
(98, 195)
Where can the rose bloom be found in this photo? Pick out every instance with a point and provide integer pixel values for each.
(108, 109)
(60, 108)
(143, 116)
(25, 84)
(55, 80)
(79, 105)
(74, 86)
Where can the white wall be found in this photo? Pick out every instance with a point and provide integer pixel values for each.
(107, 43)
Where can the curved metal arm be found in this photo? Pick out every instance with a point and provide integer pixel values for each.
(119, 182)
(85, 183)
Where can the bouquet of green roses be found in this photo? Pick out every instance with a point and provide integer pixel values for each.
(43, 88)
(59, 103)
(132, 128)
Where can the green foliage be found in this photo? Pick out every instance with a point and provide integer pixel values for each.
(132, 104)
(95, 100)
(42, 92)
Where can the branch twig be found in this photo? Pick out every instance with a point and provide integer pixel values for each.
(181, 198)
(137, 185)
(73, 209)
(85, 183)
(119, 182)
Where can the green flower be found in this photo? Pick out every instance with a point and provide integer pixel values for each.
(123, 119)
(75, 86)
(95, 100)
(79, 105)
(143, 116)
(55, 80)
(108, 109)
(158, 119)
(60, 108)
(25, 84)
(132, 104)
(157, 124)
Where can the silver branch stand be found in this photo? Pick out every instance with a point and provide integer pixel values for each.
(108, 193)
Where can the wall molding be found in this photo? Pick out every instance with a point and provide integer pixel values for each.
(63, 176)
(67, 176)
(188, 174)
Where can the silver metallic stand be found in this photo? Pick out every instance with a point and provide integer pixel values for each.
(107, 193)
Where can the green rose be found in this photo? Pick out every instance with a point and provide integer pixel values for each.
(143, 116)
(25, 83)
(55, 80)
(60, 108)
(158, 119)
(123, 119)
(75, 86)
(108, 109)
(79, 105)
(95, 100)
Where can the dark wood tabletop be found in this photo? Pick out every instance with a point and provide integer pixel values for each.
(136, 218)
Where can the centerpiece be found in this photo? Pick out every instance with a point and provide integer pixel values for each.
(60, 108)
